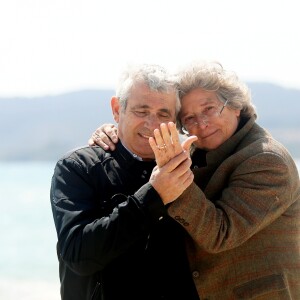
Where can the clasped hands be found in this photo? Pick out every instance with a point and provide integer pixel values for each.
(172, 174)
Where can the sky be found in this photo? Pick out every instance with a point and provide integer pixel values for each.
(55, 46)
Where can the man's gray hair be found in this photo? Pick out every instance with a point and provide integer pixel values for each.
(155, 77)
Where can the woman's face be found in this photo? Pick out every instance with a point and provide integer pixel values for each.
(200, 114)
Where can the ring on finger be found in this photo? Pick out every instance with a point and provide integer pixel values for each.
(96, 136)
(161, 147)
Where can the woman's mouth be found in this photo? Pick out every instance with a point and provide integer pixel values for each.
(208, 135)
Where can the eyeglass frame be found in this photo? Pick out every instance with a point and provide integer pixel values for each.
(207, 118)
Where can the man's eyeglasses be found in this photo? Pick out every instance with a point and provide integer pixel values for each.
(194, 120)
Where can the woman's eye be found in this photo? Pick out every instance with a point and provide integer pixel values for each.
(209, 110)
(189, 119)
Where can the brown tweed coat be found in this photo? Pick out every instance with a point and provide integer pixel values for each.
(244, 226)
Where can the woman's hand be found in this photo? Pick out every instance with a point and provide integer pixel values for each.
(166, 143)
(105, 136)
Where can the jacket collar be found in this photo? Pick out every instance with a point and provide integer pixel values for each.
(126, 159)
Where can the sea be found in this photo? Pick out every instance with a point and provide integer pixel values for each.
(28, 262)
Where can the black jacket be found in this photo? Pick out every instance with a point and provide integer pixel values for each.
(115, 240)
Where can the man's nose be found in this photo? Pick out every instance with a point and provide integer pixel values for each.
(152, 121)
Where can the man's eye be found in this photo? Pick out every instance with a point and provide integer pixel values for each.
(164, 116)
(139, 113)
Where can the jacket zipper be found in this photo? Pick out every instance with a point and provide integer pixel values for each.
(96, 291)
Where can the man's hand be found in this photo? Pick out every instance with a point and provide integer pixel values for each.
(173, 178)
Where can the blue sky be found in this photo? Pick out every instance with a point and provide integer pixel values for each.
(55, 46)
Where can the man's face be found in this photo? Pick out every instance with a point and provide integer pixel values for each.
(145, 111)
(218, 128)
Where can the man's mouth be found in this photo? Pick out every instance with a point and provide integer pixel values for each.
(146, 136)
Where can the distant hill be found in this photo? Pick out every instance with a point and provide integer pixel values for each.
(44, 128)
(278, 111)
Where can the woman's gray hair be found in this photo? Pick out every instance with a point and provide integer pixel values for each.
(211, 76)
(154, 76)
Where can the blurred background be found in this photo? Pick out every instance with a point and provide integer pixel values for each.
(59, 63)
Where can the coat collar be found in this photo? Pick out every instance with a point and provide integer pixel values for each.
(126, 159)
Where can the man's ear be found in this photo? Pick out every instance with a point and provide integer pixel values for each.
(116, 108)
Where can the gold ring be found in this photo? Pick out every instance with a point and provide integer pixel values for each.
(96, 136)
(161, 147)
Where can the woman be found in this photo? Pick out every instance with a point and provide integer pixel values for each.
(242, 214)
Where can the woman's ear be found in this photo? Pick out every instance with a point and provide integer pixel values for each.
(115, 106)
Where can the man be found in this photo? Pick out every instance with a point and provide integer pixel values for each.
(115, 240)
(242, 213)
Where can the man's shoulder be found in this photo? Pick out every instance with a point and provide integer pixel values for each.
(86, 155)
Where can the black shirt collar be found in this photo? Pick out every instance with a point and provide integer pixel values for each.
(127, 159)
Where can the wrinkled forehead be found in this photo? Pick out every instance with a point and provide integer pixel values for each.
(198, 102)
(200, 95)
